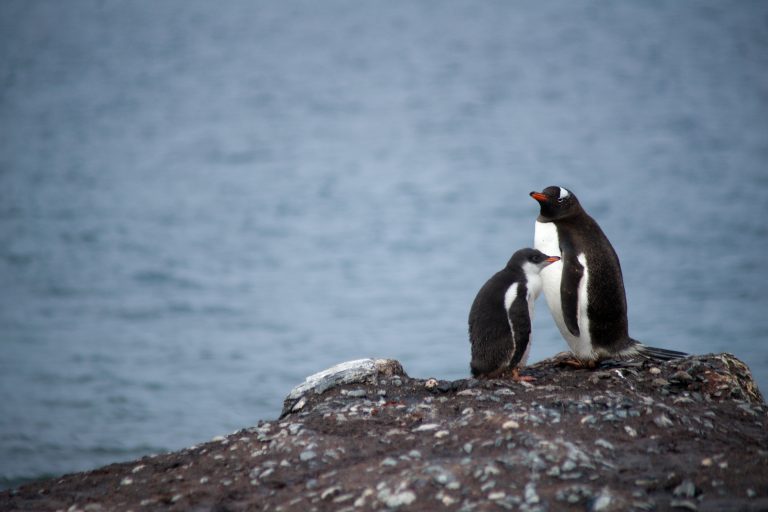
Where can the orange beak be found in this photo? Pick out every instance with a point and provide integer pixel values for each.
(553, 259)
(539, 197)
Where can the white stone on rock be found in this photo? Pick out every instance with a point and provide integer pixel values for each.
(359, 370)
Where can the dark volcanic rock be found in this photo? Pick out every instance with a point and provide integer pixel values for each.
(684, 435)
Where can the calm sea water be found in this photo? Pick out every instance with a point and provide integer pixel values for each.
(202, 203)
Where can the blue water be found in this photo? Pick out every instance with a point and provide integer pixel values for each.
(201, 203)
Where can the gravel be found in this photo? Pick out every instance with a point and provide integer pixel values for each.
(573, 439)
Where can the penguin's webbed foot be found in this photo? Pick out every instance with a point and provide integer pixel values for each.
(514, 374)
(577, 364)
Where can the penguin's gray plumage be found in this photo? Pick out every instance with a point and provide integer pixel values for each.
(500, 317)
(585, 289)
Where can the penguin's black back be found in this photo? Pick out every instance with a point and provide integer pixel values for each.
(607, 306)
(489, 329)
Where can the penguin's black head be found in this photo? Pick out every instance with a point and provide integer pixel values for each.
(530, 258)
(556, 203)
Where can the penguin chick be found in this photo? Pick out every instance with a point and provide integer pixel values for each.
(501, 314)
(585, 289)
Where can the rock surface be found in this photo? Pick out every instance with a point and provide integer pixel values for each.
(684, 435)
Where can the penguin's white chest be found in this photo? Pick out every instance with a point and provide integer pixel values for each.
(547, 241)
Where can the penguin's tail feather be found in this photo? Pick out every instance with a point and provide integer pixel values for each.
(660, 354)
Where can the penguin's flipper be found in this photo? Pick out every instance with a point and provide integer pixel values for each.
(573, 271)
(520, 321)
(661, 354)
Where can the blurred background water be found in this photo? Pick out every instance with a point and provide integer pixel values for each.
(202, 203)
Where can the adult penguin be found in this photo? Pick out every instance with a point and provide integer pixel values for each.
(585, 289)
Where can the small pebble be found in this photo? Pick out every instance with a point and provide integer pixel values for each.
(531, 497)
(682, 376)
(441, 433)
(602, 502)
(360, 501)
(510, 424)
(425, 427)
(126, 481)
(448, 501)
(687, 489)
(330, 492)
(496, 496)
(307, 455)
(396, 500)
(603, 443)
(663, 421)
(299, 405)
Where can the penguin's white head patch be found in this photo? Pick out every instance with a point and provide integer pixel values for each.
(563, 193)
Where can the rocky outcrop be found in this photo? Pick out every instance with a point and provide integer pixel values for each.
(683, 435)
